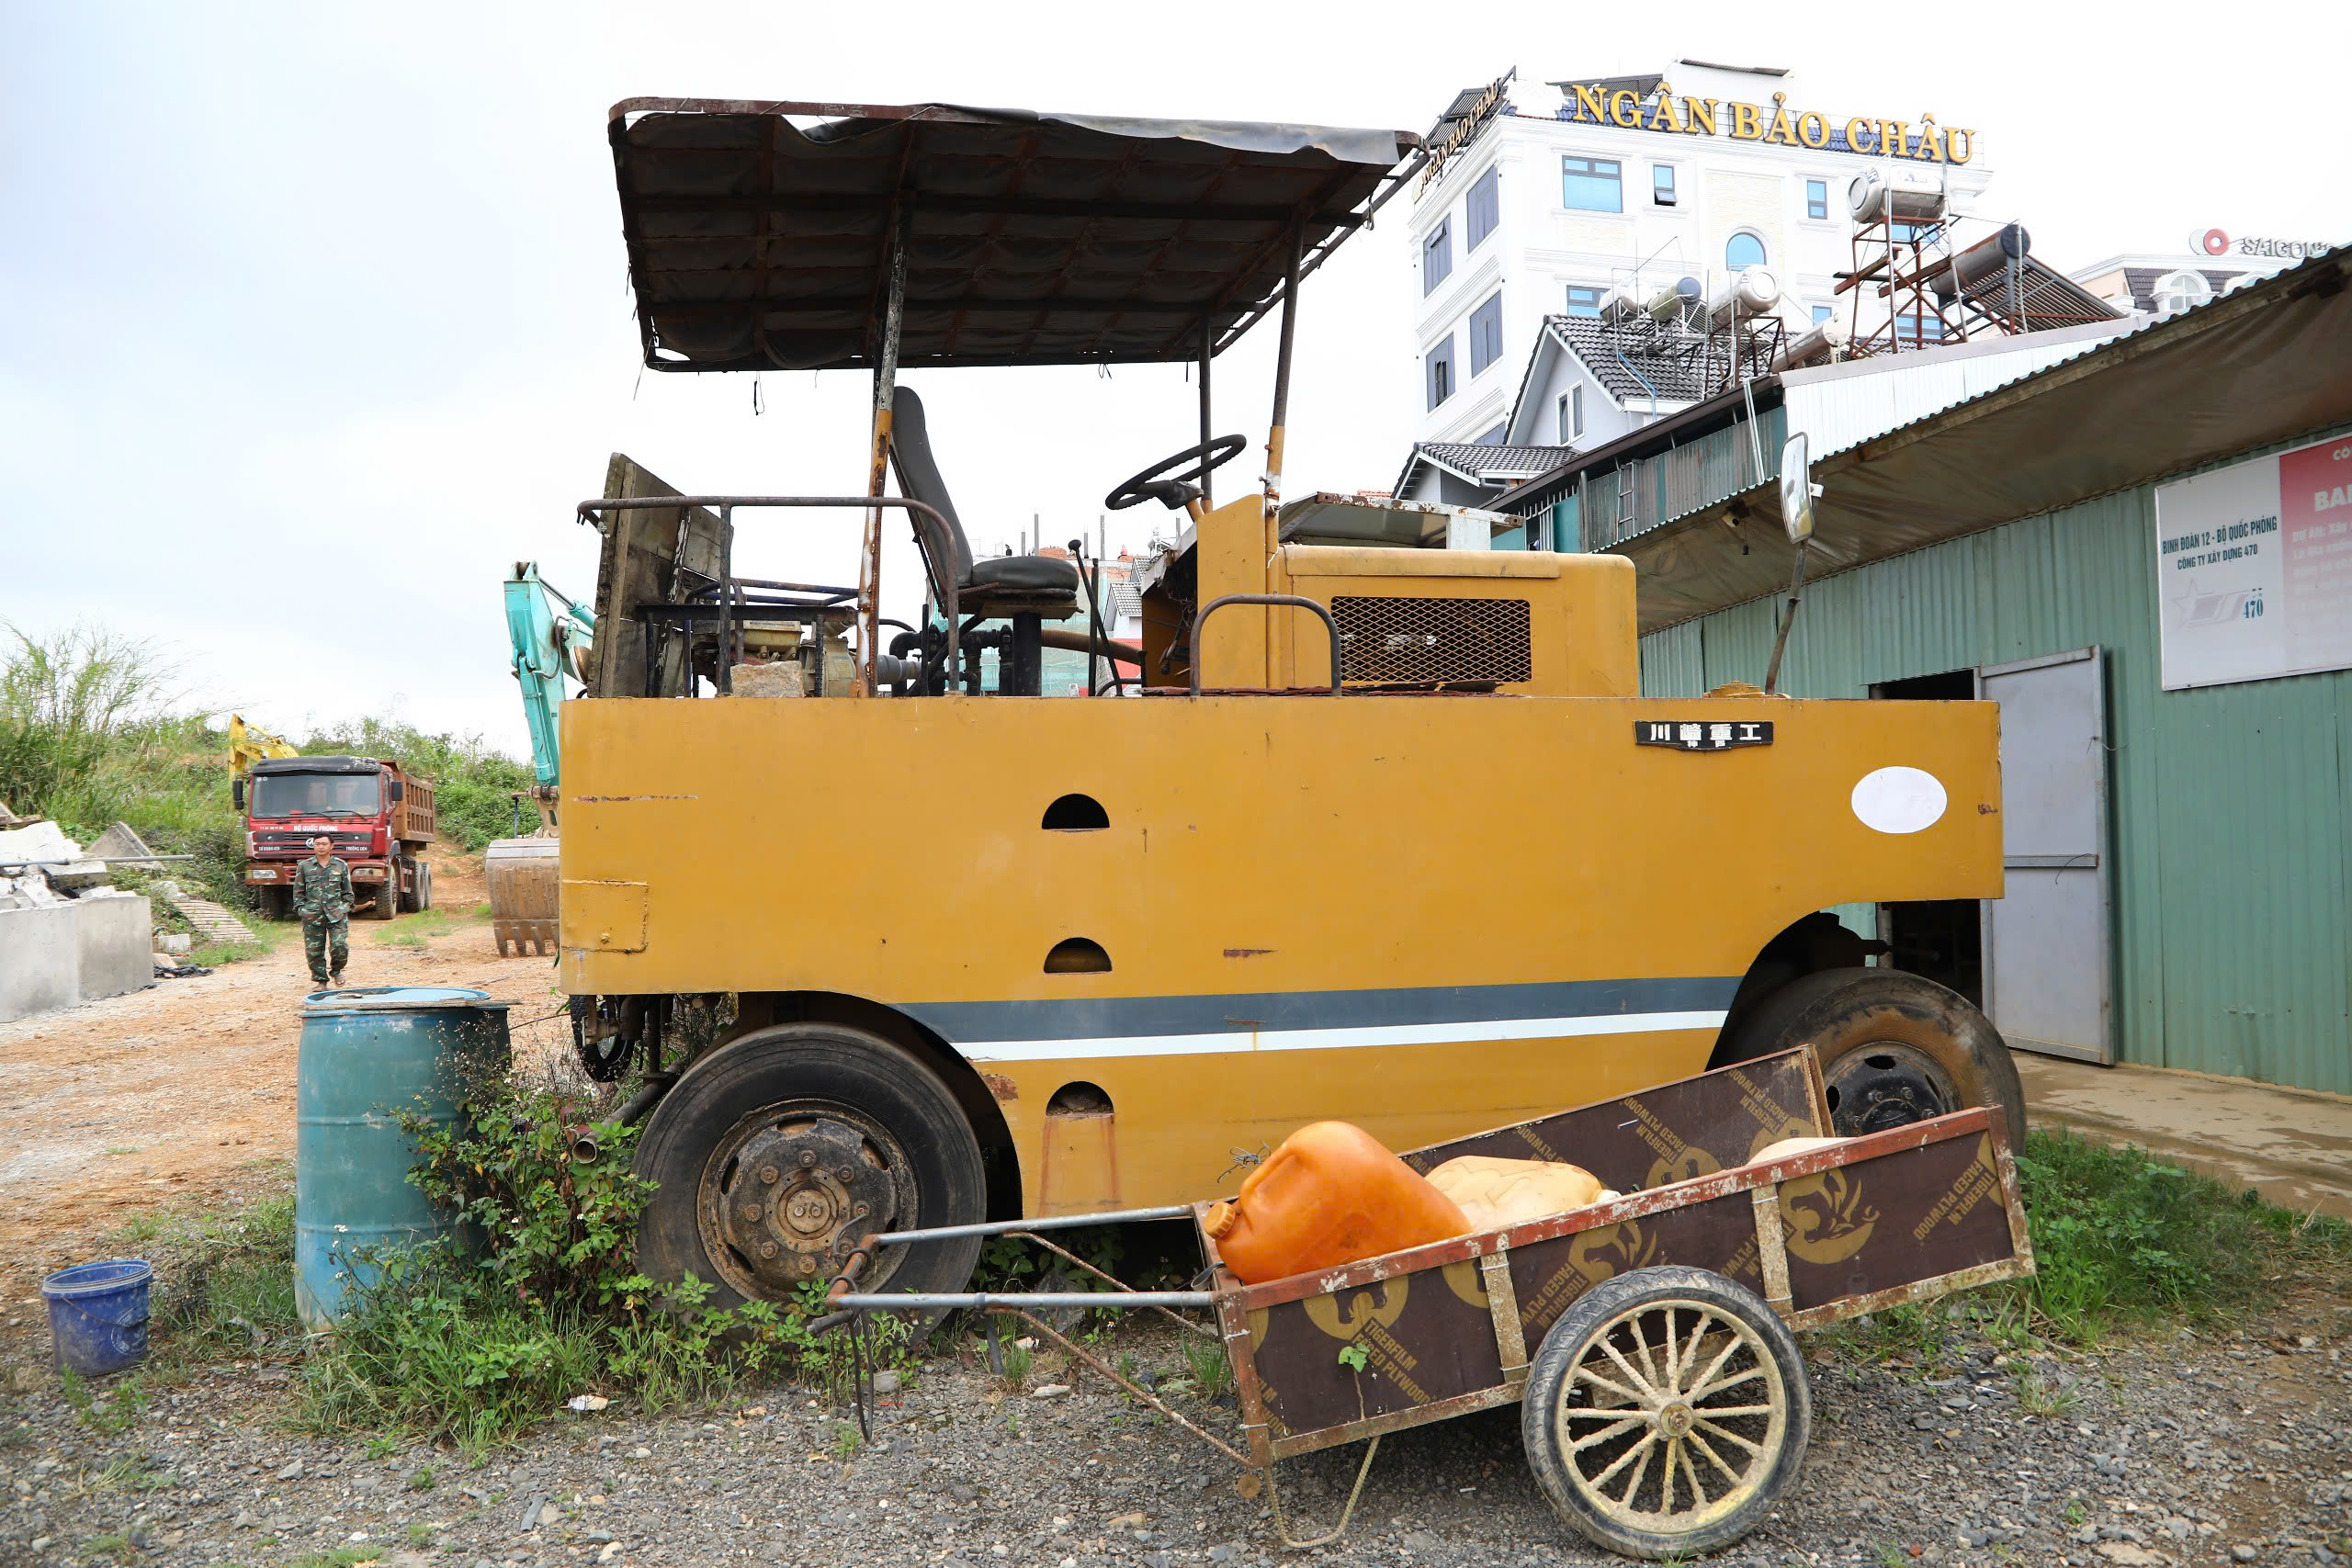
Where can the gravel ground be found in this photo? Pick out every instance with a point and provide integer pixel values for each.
(2166, 1451)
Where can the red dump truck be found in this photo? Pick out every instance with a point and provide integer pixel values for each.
(379, 814)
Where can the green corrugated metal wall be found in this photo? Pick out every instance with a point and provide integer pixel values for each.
(2229, 806)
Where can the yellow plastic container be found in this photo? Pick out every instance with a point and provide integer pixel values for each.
(1331, 1194)
(1494, 1193)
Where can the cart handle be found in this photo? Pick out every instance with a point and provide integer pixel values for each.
(914, 1301)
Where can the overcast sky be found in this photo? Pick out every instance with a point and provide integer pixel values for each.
(319, 317)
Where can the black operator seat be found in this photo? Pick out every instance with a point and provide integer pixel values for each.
(999, 584)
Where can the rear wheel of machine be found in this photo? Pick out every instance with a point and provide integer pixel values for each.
(1664, 1413)
(772, 1157)
(1895, 1048)
(413, 899)
(423, 885)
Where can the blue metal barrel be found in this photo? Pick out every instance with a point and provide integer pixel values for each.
(369, 1052)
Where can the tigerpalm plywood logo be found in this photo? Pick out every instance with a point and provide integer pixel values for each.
(1971, 1187)
(1822, 1216)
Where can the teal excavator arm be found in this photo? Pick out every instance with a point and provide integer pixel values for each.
(552, 636)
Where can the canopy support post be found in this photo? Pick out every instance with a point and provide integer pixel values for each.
(886, 380)
(1208, 348)
(1274, 503)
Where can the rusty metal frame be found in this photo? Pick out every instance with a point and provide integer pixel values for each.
(938, 549)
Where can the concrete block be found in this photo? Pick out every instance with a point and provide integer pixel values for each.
(40, 960)
(117, 953)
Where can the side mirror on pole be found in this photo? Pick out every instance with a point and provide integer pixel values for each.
(1797, 496)
(1797, 488)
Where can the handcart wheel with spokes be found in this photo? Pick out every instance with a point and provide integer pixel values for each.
(1666, 1411)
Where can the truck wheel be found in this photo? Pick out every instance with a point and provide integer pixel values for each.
(276, 903)
(423, 885)
(1664, 1413)
(1894, 1047)
(775, 1153)
(388, 897)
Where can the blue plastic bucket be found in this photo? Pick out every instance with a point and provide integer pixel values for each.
(97, 1314)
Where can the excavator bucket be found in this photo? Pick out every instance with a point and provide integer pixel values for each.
(523, 884)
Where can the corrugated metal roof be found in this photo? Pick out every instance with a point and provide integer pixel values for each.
(1838, 406)
(2254, 366)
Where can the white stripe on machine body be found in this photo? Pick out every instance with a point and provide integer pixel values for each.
(1228, 1041)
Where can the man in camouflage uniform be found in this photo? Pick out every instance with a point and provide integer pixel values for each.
(322, 903)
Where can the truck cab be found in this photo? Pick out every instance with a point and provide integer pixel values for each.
(378, 814)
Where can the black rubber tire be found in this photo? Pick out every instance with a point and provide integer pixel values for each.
(412, 900)
(276, 903)
(423, 885)
(1547, 1430)
(387, 899)
(803, 1063)
(1843, 1012)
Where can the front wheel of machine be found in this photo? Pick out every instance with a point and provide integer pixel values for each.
(1895, 1048)
(778, 1151)
(388, 895)
(1664, 1413)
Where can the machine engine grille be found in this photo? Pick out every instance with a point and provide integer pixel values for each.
(1388, 640)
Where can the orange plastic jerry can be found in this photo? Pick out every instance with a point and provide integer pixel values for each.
(1332, 1194)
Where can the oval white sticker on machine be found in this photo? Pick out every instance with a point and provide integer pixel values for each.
(1899, 800)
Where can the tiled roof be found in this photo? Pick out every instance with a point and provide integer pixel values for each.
(1672, 364)
(1480, 460)
(1472, 457)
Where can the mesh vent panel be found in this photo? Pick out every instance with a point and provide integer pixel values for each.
(1432, 639)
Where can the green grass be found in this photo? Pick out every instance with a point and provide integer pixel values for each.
(339, 1557)
(2123, 1238)
(224, 1282)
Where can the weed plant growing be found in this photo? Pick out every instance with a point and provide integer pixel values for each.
(472, 1340)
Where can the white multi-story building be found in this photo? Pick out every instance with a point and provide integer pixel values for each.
(1546, 198)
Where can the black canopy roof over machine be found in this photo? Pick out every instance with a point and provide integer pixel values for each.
(815, 236)
(760, 235)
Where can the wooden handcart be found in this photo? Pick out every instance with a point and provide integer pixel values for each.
(1648, 1340)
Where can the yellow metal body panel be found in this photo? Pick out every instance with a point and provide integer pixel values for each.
(1312, 906)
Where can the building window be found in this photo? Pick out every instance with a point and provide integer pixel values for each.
(1584, 302)
(1437, 255)
(1571, 415)
(1816, 199)
(1591, 185)
(1441, 371)
(1487, 334)
(1493, 437)
(1744, 250)
(1822, 313)
(1662, 184)
(1913, 327)
(1483, 211)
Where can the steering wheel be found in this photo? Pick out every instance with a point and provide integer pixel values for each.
(1172, 490)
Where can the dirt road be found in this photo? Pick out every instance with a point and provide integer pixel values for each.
(184, 1093)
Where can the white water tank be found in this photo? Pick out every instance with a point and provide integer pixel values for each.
(1823, 340)
(1620, 306)
(1751, 292)
(1904, 196)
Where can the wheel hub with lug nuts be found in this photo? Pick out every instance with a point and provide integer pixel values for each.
(1886, 1084)
(796, 1198)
